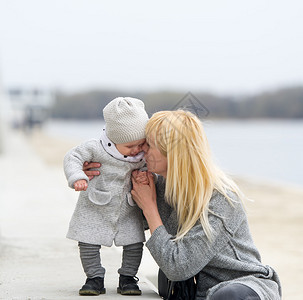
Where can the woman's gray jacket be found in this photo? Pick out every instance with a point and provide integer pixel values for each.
(231, 257)
(104, 212)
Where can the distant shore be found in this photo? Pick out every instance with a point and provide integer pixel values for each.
(275, 215)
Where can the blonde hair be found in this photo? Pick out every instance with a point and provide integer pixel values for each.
(192, 174)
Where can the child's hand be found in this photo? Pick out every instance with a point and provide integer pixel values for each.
(141, 177)
(80, 185)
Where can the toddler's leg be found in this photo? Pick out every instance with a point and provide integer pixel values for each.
(91, 261)
(131, 259)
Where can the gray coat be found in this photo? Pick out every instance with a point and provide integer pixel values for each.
(232, 256)
(104, 212)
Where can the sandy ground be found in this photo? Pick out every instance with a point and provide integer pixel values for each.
(275, 216)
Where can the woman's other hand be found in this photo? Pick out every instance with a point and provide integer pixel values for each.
(144, 191)
(87, 166)
(146, 198)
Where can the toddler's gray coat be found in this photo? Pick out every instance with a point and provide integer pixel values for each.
(103, 213)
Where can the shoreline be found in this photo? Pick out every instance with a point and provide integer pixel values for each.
(275, 215)
(43, 144)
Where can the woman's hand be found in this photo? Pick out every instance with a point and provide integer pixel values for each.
(87, 166)
(144, 191)
(146, 198)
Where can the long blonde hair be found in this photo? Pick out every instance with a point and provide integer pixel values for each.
(192, 174)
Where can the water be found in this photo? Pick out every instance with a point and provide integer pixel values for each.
(269, 150)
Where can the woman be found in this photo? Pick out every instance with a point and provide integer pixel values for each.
(195, 215)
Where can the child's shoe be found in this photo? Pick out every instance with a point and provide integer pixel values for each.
(128, 285)
(93, 287)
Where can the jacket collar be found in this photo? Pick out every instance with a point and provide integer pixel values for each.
(111, 149)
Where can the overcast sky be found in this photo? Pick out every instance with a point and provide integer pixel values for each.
(223, 46)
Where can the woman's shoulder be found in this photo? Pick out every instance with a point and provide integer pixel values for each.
(227, 203)
(229, 208)
(228, 195)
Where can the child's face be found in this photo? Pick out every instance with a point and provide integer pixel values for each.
(131, 148)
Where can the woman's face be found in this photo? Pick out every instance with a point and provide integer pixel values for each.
(156, 162)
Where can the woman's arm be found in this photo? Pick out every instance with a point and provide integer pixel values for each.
(184, 258)
(146, 198)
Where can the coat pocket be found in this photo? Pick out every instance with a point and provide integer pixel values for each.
(99, 197)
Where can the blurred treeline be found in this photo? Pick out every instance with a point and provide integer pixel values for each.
(280, 103)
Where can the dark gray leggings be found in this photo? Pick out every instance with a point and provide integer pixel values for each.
(235, 291)
(91, 260)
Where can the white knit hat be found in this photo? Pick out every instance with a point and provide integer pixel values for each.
(125, 119)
